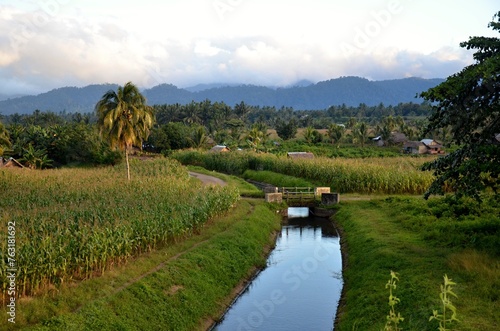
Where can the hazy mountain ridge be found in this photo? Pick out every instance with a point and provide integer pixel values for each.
(350, 91)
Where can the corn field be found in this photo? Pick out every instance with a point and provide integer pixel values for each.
(395, 175)
(72, 224)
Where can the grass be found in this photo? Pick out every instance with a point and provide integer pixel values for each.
(343, 150)
(399, 234)
(246, 189)
(179, 287)
(276, 179)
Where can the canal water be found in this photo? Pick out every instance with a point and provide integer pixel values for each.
(300, 287)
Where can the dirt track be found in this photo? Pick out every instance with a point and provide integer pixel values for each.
(207, 180)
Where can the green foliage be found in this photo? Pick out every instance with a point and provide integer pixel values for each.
(468, 104)
(286, 130)
(4, 139)
(393, 234)
(343, 151)
(360, 133)
(335, 133)
(124, 119)
(444, 317)
(447, 222)
(69, 143)
(35, 158)
(198, 137)
(276, 179)
(164, 286)
(256, 137)
(393, 319)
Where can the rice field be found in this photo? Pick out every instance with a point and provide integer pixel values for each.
(72, 224)
(375, 175)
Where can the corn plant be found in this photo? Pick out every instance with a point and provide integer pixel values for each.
(77, 223)
(397, 175)
(393, 319)
(449, 311)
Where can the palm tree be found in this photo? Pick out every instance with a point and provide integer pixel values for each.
(335, 132)
(309, 134)
(192, 113)
(199, 137)
(256, 137)
(4, 139)
(124, 118)
(360, 132)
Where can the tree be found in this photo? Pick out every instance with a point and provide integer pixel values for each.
(35, 158)
(468, 103)
(198, 137)
(360, 133)
(286, 130)
(335, 133)
(312, 136)
(242, 110)
(124, 118)
(309, 134)
(192, 113)
(4, 139)
(256, 137)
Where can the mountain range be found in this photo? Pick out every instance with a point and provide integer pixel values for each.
(304, 95)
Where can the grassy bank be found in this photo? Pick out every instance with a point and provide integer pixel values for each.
(246, 189)
(422, 241)
(179, 287)
(276, 179)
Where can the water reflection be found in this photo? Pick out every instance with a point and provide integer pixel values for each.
(294, 212)
(300, 287)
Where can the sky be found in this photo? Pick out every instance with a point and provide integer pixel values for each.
(47, 44)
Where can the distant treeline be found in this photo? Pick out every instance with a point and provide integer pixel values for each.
(215, 115)
(44, 139)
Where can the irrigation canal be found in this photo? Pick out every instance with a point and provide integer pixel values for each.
(301, 285)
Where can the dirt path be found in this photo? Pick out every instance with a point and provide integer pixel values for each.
(207, 180)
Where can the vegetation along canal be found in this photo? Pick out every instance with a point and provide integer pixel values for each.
(301, 285)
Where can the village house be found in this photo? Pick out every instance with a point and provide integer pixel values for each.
(396, 138)
(300, 155)
(10, 163)
(219, 149)
(424, 146)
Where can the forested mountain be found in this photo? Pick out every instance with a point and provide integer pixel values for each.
(350, 91)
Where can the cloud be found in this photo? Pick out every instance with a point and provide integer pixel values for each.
(204, 48)
(38, 54)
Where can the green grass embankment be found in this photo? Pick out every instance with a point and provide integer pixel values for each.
(276, 179)
(422, 241)
(246, 189)
(180, 287)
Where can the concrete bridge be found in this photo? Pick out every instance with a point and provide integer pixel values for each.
(301, 196)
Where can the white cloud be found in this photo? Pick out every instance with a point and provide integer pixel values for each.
(259, 42)
(204, 48)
